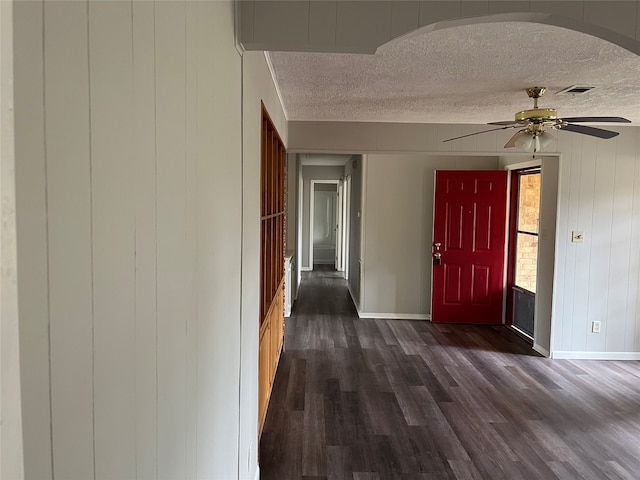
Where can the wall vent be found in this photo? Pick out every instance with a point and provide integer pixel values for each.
(576, 90)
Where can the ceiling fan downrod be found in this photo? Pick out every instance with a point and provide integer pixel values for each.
(535, 93)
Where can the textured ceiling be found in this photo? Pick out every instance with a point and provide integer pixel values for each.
(467, 74)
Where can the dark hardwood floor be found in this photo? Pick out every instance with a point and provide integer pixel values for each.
(390, 399)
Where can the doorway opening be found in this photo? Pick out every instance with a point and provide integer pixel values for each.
(328, 220)
(323, 222)
(524, 221)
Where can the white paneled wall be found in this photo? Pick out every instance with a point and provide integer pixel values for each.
(129, 184)
(598, 280)
(598, 192)
(144, 128)
(112, 221)
(258, 89)
(11, 451)
(398, 231)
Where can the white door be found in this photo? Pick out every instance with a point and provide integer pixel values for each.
(339, 253)
(324, 227)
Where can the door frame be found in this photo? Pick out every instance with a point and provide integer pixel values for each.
(512, 241)
(346, 223)
(337, 260)
(312, 191)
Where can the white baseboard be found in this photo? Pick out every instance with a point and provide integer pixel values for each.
(396, 316)
(306, 269)
(353, 297)
(541, 350)
(595, 355)
(257, 476)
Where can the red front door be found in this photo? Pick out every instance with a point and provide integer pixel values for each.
(469, 231)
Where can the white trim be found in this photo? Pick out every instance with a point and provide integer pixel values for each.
(595, 355)
(347, 226)
(353, 298)
(306, 269)
(299, 213)
(521, 165)
(396, 316)
(257, 475)
(267, 58)
(362, 261)
(236, 21)
(541, 350)
(521, 333)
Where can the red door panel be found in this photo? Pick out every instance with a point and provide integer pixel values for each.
(453, 280)
(470, 226)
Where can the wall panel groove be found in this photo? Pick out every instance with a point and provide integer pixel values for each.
(139, 180)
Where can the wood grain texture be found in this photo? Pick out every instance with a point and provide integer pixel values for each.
(372, 399)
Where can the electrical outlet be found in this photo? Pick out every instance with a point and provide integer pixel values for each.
(595, 327)
(577, 236)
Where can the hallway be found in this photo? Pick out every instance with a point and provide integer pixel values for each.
(385, 399)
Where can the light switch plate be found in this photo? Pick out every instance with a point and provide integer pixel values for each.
(577, 236)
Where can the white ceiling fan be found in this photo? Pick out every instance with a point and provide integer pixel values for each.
(537, 120)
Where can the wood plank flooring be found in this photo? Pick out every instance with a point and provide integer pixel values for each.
(376, 399)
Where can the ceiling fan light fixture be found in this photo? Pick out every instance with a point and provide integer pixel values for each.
(525, 142)
(546, 140)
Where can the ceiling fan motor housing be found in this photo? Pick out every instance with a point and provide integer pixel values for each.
(545, 116)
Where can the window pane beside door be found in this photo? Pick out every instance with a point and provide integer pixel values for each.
(527, 261)
(527, 231)
(529, 203)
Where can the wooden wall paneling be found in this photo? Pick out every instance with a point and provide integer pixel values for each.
(274, 173)
(145, 238)
(276, 259)
(269, 199)
(270, 255)
(171, 242)
(276, 161)
(269, 272)
(70, 264)
(272, 261)
(263, 169)
(264, 367)
(263, 282)
(111, 71)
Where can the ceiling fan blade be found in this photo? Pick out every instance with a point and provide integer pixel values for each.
(594, 132)
(512, 141)
(506, 122)
(596, 120)
(477, 133)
